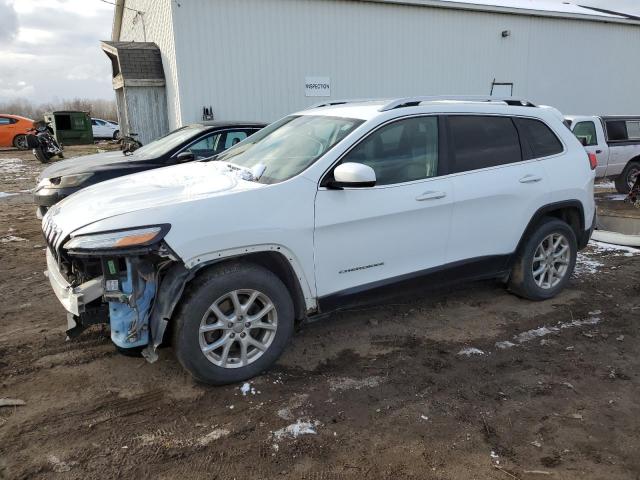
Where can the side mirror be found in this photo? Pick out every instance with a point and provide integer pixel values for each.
(185, 157)
(353, 175)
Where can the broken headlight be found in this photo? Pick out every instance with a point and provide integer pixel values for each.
(132, 238)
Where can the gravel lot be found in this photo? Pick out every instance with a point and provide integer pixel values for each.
(460, 383)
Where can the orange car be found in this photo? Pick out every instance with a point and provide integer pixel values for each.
(13, 131)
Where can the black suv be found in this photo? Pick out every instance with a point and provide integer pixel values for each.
(193, 142)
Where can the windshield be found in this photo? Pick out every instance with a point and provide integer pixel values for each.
(164, 145)
(285, 148)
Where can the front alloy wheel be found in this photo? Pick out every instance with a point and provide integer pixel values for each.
(233, 322)
(238, 328)
(551, 261)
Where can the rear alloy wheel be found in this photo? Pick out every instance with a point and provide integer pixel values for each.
(20, 142)
(233, 323)
(545, 261)
(627, 179)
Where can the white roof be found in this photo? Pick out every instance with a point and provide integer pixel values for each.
(551, 8)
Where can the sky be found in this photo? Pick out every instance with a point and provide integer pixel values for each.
(50, 49)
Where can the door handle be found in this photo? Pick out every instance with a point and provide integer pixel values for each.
(598, 152)
(530, 179)
(431, 196)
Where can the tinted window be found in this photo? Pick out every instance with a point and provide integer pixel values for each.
(617, 130)
(586, 130)
(234, 138)
(538, 139)
(401, 152)
(5, 121)
(633, 130)
(206, 147)
(481, 142)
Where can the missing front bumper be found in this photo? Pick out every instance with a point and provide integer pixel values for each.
(73, 299)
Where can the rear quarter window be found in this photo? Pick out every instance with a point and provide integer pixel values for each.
(617, 131)
(538, 140)
(483, 141)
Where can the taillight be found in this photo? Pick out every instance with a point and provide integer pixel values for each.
(593, 161)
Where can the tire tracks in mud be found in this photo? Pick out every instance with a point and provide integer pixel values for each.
(25, 359)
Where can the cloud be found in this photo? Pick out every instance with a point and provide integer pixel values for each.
(8, 22)
(54, 49)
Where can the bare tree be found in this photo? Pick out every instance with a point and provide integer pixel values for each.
(96, 107)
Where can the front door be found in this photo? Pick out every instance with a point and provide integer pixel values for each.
(370, 236)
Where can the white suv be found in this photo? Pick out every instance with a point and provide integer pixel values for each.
(222, 257)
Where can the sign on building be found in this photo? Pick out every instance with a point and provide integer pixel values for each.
(317, 86)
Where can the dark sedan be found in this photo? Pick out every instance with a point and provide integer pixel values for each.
(193, 142)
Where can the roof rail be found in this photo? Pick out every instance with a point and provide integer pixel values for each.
(415, 101)
(332, 103)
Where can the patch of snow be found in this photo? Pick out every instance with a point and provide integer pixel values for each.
(423, 417)
(470, 351)
(617, 197)
(297, 429)
(586, 265)
(346, 383)
(216, 434)
(11, 238)
(247, 388)
(495, 457)
(609, 247)
(605, 185)
(530, 335)
(5, 194)
(504, 345)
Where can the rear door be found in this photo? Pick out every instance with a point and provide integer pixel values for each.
(376, 235)
(592, 134)
(497, 189)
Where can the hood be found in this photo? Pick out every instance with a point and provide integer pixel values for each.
(149, 190)
(87, 163)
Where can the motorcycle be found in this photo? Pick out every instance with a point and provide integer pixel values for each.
(44, 145)
(129, 144)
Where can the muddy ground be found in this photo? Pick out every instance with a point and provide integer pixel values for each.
(415, 389)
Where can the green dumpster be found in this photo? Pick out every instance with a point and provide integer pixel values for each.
(70, 128)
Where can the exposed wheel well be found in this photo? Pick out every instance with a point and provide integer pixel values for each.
(570, 212)
(280, 266)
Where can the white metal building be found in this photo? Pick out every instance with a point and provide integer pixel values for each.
(262, 59)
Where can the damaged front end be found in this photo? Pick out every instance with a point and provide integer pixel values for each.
(115, 277)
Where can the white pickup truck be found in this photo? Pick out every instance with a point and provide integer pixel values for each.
(616, 143)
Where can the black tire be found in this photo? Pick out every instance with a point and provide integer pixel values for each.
(20, 142)
(199, 297)
(624, 182)
(41, 155)
(521, 281)
(116, 135)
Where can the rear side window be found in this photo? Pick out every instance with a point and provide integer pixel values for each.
(481, 142)
(633, 130)
(617, 131)
(587, 131)
(5, 121)
(538, 141)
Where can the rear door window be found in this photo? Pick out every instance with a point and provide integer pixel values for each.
(538, 139)
(234, 137)
(587, 131)
(483, 141)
